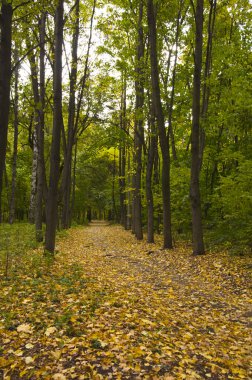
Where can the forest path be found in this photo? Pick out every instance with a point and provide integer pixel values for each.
(111, 307)
(166, 312)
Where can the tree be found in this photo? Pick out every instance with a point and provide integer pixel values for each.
(163, 137)
(138, 127)
(76, 125)
(52, 196)
(197, 229)
(15, 144)
(5, 79)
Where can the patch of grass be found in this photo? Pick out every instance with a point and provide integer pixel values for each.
(15, 241)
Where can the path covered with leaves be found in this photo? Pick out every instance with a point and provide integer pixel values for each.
(109, 307)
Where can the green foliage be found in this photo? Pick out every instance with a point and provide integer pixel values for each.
(14, 241)
(233, 203)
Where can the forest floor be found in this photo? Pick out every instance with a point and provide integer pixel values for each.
(110, 307)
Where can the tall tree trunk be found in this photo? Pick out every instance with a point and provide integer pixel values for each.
(15, 145)
(122, 156)
(5, 78)
(114, 211)
(149, 170)
(139, 131)
(207, 74)
(32, 206)
(85, 75)
(122, 167)
(52, 196)
(163, 138)
(174, 72)
(197, 230)
(41, 175)
(74, 180)
(128, 194)
(35, 89)
(67, 170)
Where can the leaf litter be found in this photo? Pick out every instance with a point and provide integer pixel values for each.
(110, 307)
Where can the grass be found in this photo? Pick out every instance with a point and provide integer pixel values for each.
(16, 243)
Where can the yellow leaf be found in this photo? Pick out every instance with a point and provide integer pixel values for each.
(50, 330)
(29, 360)
(59, 376)
(56, 354)
(18, 353)
(4, 362)
(29, 346)
(26, 328)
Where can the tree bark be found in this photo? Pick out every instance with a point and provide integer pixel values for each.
(74, 180)
(197, 230)
(114, 211)
(163, 138)
(41, 174)
(122, 157)
(32, 207)
(15, 146)
(5, 78)
(67, 169)
(207, 74)
(149, 170)
(139, 131)
(128, 195)
(52, 196)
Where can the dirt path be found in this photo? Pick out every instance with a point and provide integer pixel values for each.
(167, 313)
(110, 307)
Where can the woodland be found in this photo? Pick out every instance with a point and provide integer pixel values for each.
(125, 189)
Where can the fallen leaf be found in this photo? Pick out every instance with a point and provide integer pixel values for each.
(26, 328)
(50, 330)
(59, 376)
(29, 360)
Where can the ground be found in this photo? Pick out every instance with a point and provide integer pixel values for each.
(110, 307)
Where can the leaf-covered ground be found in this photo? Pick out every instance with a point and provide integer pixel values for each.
(109, 307)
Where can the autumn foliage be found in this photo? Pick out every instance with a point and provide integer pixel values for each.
(111, 307)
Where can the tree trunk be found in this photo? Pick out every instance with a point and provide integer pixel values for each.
(174, 72)
(122, 157)
(114, 211)
(197, 230)
(149, 170)
(5, 78)
(15, 145)
(67, 170)
(32, 207)
(139, 131)
(52, 196)
(41, 175)
(207, 74)
(129, 203)
(35, 89)
(74, 181)
(163, 138)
